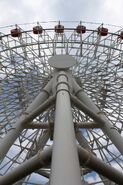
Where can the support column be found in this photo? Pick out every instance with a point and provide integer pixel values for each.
(105, 125)
(43, 173)
(96, 164)
(84, 144)
(42, 140)
(40, 160)
(65, 167)
(82, 141)
(41, 143)
(12, 135)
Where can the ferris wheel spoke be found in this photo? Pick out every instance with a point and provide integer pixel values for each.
(25, 70)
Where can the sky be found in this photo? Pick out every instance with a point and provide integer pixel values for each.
(27, 11)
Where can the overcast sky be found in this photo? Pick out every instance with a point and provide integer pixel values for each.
(24, 11)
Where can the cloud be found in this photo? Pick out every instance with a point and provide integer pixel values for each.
(106, 11)
(112, 11)
(76, 10)
(25, 11)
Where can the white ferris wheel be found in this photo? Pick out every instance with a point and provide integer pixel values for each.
(61, 104)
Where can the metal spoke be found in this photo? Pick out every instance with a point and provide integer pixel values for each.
(25, 71)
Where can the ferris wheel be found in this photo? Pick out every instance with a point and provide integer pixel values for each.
(61, 104)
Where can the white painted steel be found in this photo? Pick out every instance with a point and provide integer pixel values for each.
(40, 160)
(12, 135)
(65, 164)
(62, 61)
(107, 128)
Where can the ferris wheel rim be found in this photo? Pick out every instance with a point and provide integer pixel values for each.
(79, 72)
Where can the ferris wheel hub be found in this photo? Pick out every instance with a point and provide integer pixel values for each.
(62, 61)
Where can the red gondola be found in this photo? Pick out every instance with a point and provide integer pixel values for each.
(37, 30)
(59, 28)
(121, 35)
(16, 32)
(102, 31)
(80, 29)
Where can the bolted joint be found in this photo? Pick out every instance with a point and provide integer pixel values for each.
(62, 73)
(62, 82)
(46, 92)
(44, 156)
(78, 91)
(59, 87)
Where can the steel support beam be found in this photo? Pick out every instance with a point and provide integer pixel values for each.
(40, 160)
(34, 125)
(43, 173)
(107, 128)
(11, 136)
(82, 141)
(99, 117)
(65, 167)
(42, 125)
(43, 158)
(42, 140)
(84, 144)
(87, 125)
(88, 159)
(87, 110)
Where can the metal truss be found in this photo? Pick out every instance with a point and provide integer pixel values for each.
(95, 87)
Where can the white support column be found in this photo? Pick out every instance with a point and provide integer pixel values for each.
(26, 168)
(41, 143)
(42, 140)
(82, 141)
(65, 167)
(84, 144)
(96, 164)
(106, 126)
(43, 173)
(12, 135)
